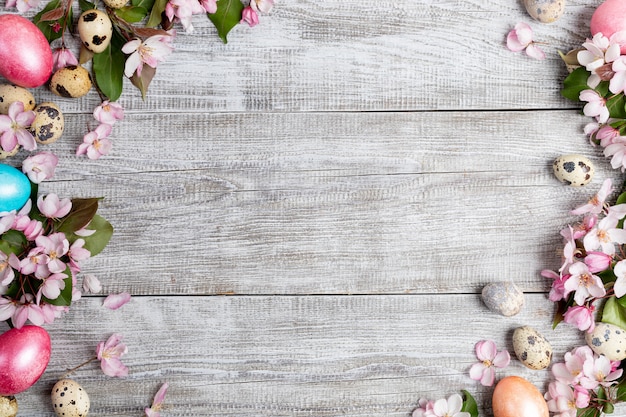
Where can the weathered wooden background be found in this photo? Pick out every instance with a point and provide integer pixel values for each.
(306, 215)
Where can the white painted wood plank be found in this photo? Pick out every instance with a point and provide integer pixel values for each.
(289, 356)
(366, 55)
(330, 203)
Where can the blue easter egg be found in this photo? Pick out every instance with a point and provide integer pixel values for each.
(14, 188)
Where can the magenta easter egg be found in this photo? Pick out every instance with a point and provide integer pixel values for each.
(609, 18)
(25, 54)
(24, 356)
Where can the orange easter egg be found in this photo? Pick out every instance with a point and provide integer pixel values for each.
(515, 396)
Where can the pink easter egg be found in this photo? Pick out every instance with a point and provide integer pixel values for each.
(24, 356)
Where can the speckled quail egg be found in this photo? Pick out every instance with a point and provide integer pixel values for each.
(95, 30)
(6, 154)
(504, 298)
(115, 4)
(608, 340)
(8, 406)
(69, 399)
(12, 93)
(545, 11)
(72, 81)
(531, 348)
(48, 125)
(575, 170)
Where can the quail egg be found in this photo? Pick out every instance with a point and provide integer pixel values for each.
(11, 93)
(69, 399)
(72, 81)
(48, 125)
(574, 170)
(95, 30)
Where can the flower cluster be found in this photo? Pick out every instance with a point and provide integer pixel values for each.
(598, 80)
(490, 358)
(96, 143)
(520, 38)
(42, 247)
(453, 406)
(584, 380)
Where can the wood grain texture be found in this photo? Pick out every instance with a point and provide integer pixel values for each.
(289, 355)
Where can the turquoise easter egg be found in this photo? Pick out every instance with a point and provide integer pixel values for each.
(14, 188)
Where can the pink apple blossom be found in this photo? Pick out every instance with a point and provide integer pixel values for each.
(620, 283)
(108, 112)
(598, 261)
(183, 10)
(149, 52)
(249, 16)
(617, 151)
(262, 6)
(109, 354)
(489, 357)
(598, 52)
(27, 310)
(209, 6)
(606, 135)
(424, 409)
(91, 284)
(596, 204)
(51, 286)
(157, 403)
(450, 407)
(618, 80)
(35, 263)
(40, 167)
(521, 38)
(604, 236)
(77, 253)
(55, 246)
(7, 308)
(571, 369)
(596, 105)
(557, 291)
(581, 317)
(561, 399)
(96, 143)
(22, 5)
(14, 128)
(62, 57)
(583, 283)
(6, 271)
(53, 207)
(599, 371)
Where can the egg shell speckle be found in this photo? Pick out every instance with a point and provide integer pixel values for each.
(504, 298)
(48, 125)
(12, 93)
(608, 340)
(95, 30)
(5, 155)
(116, 4)
(545, 11)
(575, 170)
(69, 399)
(531, 348)
(72, 81)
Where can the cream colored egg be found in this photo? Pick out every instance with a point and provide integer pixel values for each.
(575, 170)
(69, 399)
(12, 93)
(115, 4)
(95, 30)
(6, 154)
(48, 125)
(8, 406)
(608, 340)
(72, 81)
(545, 11)
(531, 348)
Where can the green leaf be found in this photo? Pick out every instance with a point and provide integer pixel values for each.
(98, 241)
(589, 412)
(108, 67)
(226, 17)
(156, 14)
(146, 4)
(574, 83)
(65, 298)
(46, 26)
(132, 14)
(86, 5)
(83, 210)
(13, 241)
(469, 404)
(614, 313)
(616, 106)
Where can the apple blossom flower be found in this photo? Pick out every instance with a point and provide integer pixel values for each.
(76, 254)
(262, 6)
(606, 135)
(53, 208)
(571, 369)
(35, 263)
(150, 52)
(599, 371)
(617, 151)
(14, 128)
(618, 77)
(51, 286)
(489, 357)
(55, 246)
(109, 354)
(620, 283)
(6, 271)
(96, 143)
(583, 283)
(521, 38)
(450, 407)
(596, 105)
(597, 261)
(596, 204)
(108, 112)
(62, 57)
(7, 308)
(27, 310)
(209, 6)
(249, 16)
(424, 409)
(40, 167)
(581, 317)
(157, 403)
(183, 10)
(91, 284)
(597, 53)
(561, 399)
(115, 301)
(22, 5)
(30, 227)
(557, 291)
(604, 236)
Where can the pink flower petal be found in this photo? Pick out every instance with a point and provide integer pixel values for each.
(534, 51)
(115, 301)
(486, 350)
